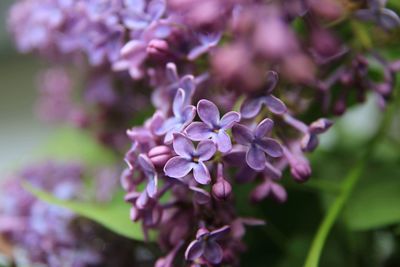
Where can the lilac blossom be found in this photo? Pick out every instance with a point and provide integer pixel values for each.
(138, 16)
(309, 140)
(252, 105)
(207, 41)
(212, 126)
(163, 95)
(257, 143)
(206, 245)
(183, 114)
(190, 158)
(377, 13)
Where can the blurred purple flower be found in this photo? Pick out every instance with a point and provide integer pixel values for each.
(207, 41)
(212, 126)
(190, 158)
(183, 114)
(377, 13)
(206, 245)
(257, 143)
(253, 104)
(138, 16)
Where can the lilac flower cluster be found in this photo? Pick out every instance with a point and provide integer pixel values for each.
(186, 152)
(229, 81)
(41, 233)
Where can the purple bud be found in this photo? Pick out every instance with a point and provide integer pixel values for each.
(202, 231)
(320, 126)
(222, 189)
(301, 171)
(157, 48)
(159, 155)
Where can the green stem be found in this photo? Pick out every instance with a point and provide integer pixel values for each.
(348, 185)
(330, 218)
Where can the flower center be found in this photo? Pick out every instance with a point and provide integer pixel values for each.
(196, 159)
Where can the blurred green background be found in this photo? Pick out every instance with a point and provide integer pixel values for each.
(21, 134)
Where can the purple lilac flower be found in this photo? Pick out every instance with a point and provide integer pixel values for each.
(252, 105)
(190, 158)
(207, 41)
(138, 14)
(377, 13)
(269, 188)
(206, 245)
(310, 133)
(212, 126)
(183, 114)
(165, 93)
(257, 143)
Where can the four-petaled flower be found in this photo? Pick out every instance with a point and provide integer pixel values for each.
(206, 245)
(212, 126)
(252, 105)
(257, 143)
(182, 116)
(190, 158)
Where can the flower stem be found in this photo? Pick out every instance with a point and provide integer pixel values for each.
(347, 187)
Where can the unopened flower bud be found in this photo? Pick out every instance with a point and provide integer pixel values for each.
(159, 155)
(320, 126)
(222, 189)
(301, 171)
(202, 231)
(157, 48)
(309, 142)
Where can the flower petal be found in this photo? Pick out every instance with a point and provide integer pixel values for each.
(275, 105)
(242, 134)
(146, 164)
(263, 128)
(251, 107)
(151, 187)
(213, 252)
(201, 173)
(220, 232)
(171, 72)
(178, 167)
(255, 158)
(208, 112)
(183, 146)
(178, 104)
(195, 250)
(188, 114)
(198, 131)
(229, 119)
(205, 150)
(272, 81)
(223, 141)
(201, 196)
(270, 146)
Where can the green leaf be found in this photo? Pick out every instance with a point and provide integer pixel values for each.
(375, 204)
(113, 215)
(74, 144)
